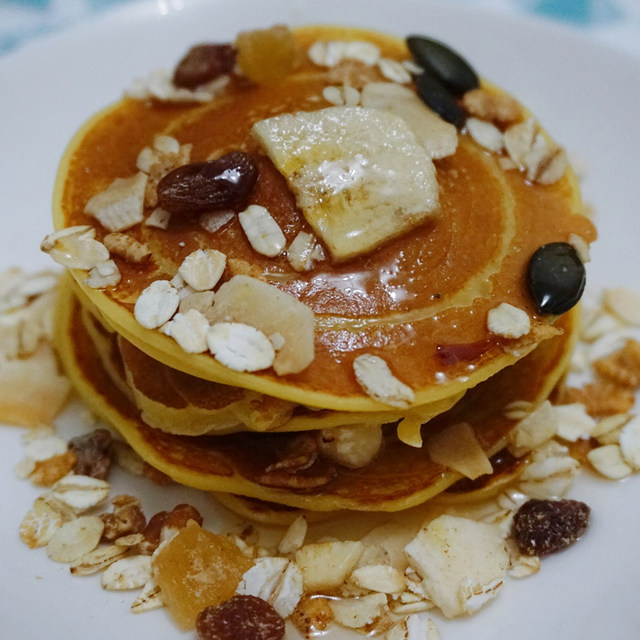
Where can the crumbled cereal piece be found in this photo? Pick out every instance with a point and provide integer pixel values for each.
(158, 218)
(120, 206)
(623, 366)
(550, 472)
(330, 53)
(394, 70)
(104, 274)
(573, 422)
(375, 378)
(132, 572)
(508, 321)
(353, 446)
(312, 615)
(600, 398)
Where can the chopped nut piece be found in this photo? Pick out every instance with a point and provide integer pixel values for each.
(518, 140)
(353, 446)
(156, 304)
(93, 451)
(508, 321)
(394, 70)
(630, 442)
(375, 377)
(329, 54)
(499, 108)
(262, 231)
(159, 85)
(203, 268)
(312, 615)
(126, 247)
(127, 518)
(121, 204)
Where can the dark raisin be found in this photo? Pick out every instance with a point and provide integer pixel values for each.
(556, 278)
(438, 98)
(240, 618)
(541, 527)
(203, 63)
(93, 452)
(206, 186)
(453, 71)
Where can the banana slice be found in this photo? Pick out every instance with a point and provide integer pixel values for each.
(359, 175)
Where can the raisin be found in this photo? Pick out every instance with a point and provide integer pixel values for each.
(541, 527)
(556, 278)
(240, 618)
(203, 63)
(205, 186)
(93, 452)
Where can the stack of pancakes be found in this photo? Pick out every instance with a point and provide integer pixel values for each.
(318, 436)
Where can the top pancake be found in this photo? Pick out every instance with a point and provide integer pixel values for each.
(418, 295)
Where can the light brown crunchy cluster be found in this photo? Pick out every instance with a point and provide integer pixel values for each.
(385, 583)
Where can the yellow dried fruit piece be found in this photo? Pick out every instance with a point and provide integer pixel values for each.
(197, 569)
(266, 55)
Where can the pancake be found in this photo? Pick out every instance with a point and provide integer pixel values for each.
(418, 301)
(246, 463)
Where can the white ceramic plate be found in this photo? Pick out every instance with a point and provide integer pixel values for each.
(586, 95)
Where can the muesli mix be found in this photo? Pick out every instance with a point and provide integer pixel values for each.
(231, 304)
